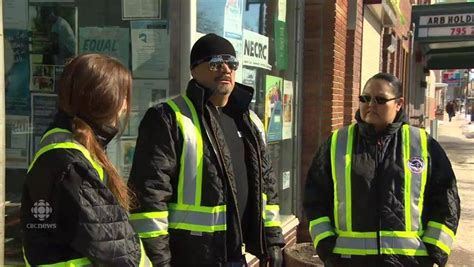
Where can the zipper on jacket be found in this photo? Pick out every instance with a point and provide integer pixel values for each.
(226, 173)
(379, 221)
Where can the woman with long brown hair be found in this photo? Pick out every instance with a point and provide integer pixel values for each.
(75, 204)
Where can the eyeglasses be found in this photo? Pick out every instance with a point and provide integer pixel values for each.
(216, 63)
(377, 99)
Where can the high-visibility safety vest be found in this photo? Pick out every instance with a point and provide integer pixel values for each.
(58, 138)
(188, 213)
(408, 242)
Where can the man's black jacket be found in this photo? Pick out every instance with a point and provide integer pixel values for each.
(155, 171)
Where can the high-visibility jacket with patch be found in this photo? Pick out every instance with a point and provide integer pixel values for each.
(380, 200)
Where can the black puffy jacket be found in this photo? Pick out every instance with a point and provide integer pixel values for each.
(378, 194)
(155, 171)
(80, 216)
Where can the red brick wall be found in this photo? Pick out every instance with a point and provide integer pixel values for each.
(324, 78)
(353, 66)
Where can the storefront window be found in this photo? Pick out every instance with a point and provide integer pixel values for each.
(147, 36)
(39, 37)
(260, 32)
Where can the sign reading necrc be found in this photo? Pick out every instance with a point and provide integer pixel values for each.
(256, 50)
(450, 19)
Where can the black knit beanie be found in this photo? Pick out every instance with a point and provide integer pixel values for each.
(210, 45)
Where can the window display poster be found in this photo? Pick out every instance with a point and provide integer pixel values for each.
(233, 13)
(287, 109)
(15, 14)
(273, 107)
(53, 34)
(286, 180)
(127, 150)
(150, 49)
(151, 92)
(17, 131)
(249, 77)
(133, 124)
(282, 10)
(43, 109)
(255, 50)
(42, 78)
(17, 72)
(145, 9)
(281, 45)
(210, 16)
(112, 41)
(237, 44)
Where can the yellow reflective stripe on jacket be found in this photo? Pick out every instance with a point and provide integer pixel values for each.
(319, 229)
(187, 213)
(150, 224)
(81, 262)
(191, 161)
(391, 242)
(415, 159)
(341, 167)
(408, 242)
(270, 213)
(144, 260)
(439, 235)
(66, 144)
(197, 218)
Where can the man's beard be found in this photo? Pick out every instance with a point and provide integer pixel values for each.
(223, 89)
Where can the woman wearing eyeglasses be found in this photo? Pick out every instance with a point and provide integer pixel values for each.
(380, 192)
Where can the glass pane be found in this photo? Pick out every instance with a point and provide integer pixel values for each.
(263, 34)
(39, 37)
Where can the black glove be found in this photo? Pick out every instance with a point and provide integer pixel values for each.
(275, 256)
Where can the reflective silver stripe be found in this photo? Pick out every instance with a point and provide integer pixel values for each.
(340, 177)
(402, 243)
(440, 235)
(319, 228)
(416, 177)
(189, 155)
(149, 225)
(196, 217)
(364, 243)
(256, 120)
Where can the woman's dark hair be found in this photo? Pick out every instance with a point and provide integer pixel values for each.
(391, 79)
(94, 87)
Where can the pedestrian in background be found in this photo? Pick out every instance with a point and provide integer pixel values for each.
(381, 192)
(450, 109)
(202, 174)
(74, 206)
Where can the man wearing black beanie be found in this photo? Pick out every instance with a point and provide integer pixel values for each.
(201, 173)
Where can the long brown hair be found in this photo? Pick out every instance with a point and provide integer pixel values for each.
(95, 86)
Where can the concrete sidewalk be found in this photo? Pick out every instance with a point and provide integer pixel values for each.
(460, 151)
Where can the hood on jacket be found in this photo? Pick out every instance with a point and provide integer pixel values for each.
(368, 130)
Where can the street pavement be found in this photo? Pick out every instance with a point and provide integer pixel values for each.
(460, 150)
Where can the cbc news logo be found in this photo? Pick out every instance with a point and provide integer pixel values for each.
(41, 210)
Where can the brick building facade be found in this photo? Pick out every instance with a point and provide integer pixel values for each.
(332, 64)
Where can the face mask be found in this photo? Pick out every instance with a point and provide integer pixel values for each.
(103, 133)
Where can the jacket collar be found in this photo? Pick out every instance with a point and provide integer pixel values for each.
(368, 130)
(239, 99)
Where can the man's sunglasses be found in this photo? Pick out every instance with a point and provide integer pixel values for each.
(377, 99)
(217, 62)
